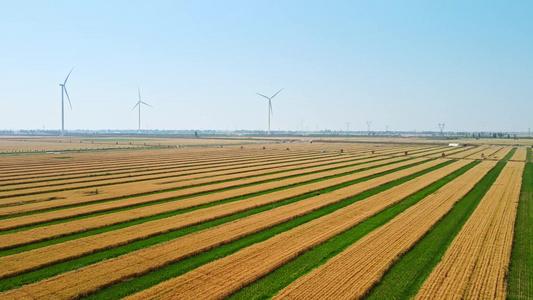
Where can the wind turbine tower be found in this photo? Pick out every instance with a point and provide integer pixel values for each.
(441, 126)
(347, 127)
(368, 126)
(139, 104)
(270, 112)
(63, 92)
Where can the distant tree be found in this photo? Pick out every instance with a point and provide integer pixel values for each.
(494, 135)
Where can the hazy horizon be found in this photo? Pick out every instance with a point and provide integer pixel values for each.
(406, 64)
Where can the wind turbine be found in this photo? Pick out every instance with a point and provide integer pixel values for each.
(64, 91)
(270, 112)
(139, 104)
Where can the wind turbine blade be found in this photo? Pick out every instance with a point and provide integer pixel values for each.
(136, 105)
(68, 76)
(139, 89)
(146, 103)
(263, 96)
(276, 94)
(270, 105)
(65, 88)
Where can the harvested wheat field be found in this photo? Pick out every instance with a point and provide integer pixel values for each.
(112, 218)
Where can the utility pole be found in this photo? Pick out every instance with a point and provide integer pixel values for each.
(347, 127)
(368, 126)
(441, 126)
(387, 129)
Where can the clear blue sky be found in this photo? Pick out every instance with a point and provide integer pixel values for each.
(405, 64)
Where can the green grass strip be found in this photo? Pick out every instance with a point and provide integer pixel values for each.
(404, 279)
(528, 155)
(520, 278)
(181, 267)
(509, 155)
(46, 272)
(269, 285)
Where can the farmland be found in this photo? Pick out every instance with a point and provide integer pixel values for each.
(69, 144)
(238, 218)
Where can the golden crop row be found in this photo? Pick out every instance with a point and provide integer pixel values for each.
(352, 273)
(73, 197)
(159, 177)
(150, 158)
(110, 205)
(500, 154)
(64, 169)
(135, 168)
(32, 259)
(222, 277)
(33, 235)
(43, 164)
(466, 153)
(475, 264)
(485, 153)
(110, 192)
(520, 154)
(96, 276)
